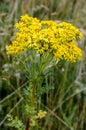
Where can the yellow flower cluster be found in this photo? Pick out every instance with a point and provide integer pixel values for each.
(46, 35)
(41, 114)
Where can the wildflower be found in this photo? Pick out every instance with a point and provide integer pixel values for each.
(41, 114)
(46, 35)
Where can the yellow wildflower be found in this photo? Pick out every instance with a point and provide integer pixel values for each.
(41, 114)
(46, 35)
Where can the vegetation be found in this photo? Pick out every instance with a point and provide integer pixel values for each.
(37, 93)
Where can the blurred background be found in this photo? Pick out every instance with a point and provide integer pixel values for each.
(68, 97)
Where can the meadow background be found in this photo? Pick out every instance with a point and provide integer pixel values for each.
(65, 100)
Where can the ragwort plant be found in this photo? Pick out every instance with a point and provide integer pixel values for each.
(38, 46)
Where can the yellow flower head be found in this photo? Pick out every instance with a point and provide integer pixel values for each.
(46, 35)
(41, 114)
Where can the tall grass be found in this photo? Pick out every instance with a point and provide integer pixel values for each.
(66, 100)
